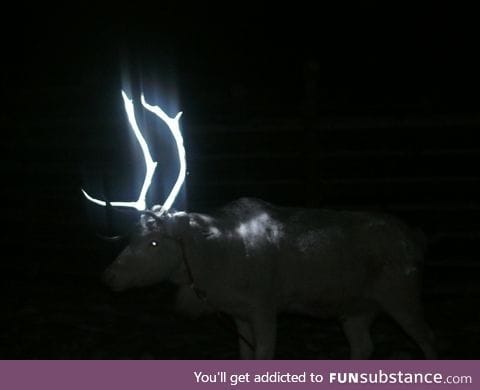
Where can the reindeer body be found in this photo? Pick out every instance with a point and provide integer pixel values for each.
(253, 260)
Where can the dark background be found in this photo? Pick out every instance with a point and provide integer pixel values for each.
(360, 107)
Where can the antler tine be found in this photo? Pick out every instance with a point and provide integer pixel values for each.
(150, 165)
(174, 127)
(111, 238)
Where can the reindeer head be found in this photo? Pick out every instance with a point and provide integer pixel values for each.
(154, 251)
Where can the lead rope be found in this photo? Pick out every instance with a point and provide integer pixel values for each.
(202, 296)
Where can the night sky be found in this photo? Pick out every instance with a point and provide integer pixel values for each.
(364, 106)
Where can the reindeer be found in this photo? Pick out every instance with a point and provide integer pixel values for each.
(253, 260)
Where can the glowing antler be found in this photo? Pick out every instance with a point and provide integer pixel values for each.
(174, 126)
(150, 165)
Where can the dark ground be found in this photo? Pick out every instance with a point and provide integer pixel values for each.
(137, 326)
(363, 108)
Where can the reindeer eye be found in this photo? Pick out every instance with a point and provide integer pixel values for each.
(153, 243)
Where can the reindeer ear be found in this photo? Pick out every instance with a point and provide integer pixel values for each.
(178, 224)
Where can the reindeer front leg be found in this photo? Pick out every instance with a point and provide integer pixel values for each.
(264, 327)
(245, 331)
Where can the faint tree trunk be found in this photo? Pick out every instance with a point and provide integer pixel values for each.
(312, 177)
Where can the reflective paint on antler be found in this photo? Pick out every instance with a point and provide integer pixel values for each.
(174, 127)
(150, 165)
